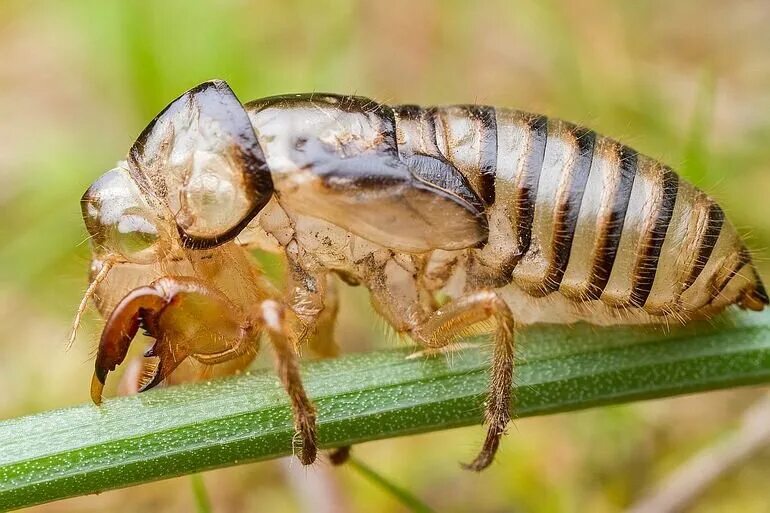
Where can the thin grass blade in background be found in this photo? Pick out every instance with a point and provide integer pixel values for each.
(200, 494)
(401, 495)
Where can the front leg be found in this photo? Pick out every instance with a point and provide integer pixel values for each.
(312, 296)
(189, 318)
(272, 317)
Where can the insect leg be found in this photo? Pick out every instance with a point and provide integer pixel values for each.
(241, 347)
(398, 297)
(186, 317)
(271, 316)
(313, 297)
(322, 341)
(453, 321)
(121, 327)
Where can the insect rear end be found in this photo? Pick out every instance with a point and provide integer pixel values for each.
(601, 232)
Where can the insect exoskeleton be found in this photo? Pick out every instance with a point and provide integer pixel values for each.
(515, 218)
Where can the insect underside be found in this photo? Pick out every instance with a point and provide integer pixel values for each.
(515, 218)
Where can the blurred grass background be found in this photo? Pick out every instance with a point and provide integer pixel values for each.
(687, 82)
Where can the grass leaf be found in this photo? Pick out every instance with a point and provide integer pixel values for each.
(362, 397)
(403, 496)
(200, 494)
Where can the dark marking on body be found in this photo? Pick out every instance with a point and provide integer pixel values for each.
(612, 229)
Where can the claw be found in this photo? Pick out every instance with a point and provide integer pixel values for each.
(168, 360)
(140, 304)
(185, 317)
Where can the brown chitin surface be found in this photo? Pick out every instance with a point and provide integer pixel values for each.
(578, 218)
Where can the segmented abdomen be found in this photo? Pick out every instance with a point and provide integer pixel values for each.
(574, 212)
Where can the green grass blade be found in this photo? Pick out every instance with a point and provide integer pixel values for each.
(403, 496)
(200, 494)
(363, 397)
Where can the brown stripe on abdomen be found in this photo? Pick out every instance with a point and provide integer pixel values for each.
(521, 144)
(565, 168)
(487, 151)
(705, 246)
(611, 227)
(647, 265)
(526, 192)
(416, 130)
(600, 220)
(568, 207)
(732, 266)
(466, 136)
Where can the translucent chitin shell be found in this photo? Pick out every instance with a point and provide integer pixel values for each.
(512, 216)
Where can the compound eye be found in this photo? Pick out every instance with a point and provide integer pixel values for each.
(135, 238)
(118, 220)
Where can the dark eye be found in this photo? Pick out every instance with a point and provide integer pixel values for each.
(118, 218)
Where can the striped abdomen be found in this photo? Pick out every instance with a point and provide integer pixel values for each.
(579, 214)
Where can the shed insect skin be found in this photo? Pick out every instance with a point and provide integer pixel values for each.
(516, 218)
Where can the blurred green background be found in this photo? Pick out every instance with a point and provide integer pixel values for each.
(687, 82)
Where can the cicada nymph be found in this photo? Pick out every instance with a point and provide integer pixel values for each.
(515, 218)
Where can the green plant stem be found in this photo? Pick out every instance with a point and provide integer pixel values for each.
(200, 494)
(191, 428)
(403, 496)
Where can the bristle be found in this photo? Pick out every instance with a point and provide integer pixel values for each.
(149, 370)
(90, 291)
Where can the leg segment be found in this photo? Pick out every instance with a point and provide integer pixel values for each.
(313, 298)
(140, 304)
(185, 316)
(322, 341)
(453, 321)
(272, 317)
